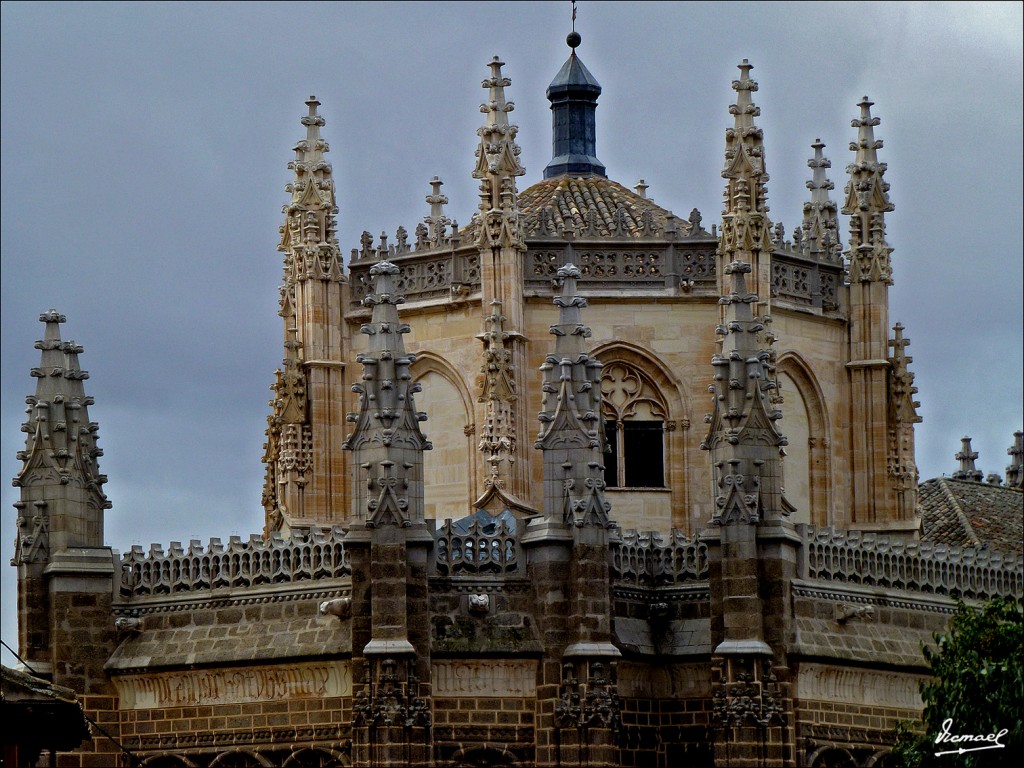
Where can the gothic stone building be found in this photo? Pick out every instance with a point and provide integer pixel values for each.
(710, 548)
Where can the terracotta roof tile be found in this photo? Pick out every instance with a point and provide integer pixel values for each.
(967, 514)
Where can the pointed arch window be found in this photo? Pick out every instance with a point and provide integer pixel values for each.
(635, 415)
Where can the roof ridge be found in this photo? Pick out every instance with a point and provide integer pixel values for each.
(965, 521)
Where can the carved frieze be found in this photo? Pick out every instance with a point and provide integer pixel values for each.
(234, 685)
(513, 678)
(862, 687)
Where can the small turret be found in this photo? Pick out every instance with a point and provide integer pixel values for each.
(573, 95)
(966, 456)
(59, 549)
(61, 486)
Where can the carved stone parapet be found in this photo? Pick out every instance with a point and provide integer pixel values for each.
(650, 558)
(865, 558)
(318, 554)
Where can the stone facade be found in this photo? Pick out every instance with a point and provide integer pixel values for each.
(605, 585)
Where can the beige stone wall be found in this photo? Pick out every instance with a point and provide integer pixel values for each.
(673, 339)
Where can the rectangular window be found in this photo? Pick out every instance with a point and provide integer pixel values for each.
(637, 454)
(643, 449)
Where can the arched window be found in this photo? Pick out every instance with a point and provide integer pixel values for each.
(635, 415)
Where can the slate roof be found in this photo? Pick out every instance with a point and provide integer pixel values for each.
(963, 513)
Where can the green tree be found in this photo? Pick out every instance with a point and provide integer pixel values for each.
(976, 689)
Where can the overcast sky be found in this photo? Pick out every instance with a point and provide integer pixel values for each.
(145, 151)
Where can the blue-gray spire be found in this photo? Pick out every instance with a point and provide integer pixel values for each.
(573, 96)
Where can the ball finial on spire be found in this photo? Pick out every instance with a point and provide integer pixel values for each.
(573, 39)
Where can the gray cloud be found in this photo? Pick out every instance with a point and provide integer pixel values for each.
(145, 146)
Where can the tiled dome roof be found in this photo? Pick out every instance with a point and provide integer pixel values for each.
(569, 198)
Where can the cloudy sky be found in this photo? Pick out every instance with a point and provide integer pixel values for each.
(144, 154)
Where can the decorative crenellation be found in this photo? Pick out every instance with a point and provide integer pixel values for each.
(650, 558)
(867, 202)
(475, 552)
(318, 554)
(424, 276)
(966, 456)
(864, 558)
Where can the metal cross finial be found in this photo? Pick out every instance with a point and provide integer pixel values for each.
(573, 15)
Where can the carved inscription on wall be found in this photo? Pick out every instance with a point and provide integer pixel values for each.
(822, 682)
(509, 679)
(644, 681)
(234, 685)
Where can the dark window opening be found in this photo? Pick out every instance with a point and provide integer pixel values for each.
(636, 455)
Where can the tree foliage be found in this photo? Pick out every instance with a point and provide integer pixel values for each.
(976, 690)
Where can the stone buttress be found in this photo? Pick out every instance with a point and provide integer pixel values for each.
(752, 546)
(502, 252)
(578, 703)
(307, 475)
(389, 544)
(882, 410)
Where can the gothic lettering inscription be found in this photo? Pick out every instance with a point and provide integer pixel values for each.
(234, 685)
(642, 681)
(820, 682)
(510, 679)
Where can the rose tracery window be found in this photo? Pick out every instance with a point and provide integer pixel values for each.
(635, 416)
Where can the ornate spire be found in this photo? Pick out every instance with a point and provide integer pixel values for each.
(967, 457)
(746, 228)
(1014, 472)
(437, 223)
(820, 228)
(387, 442)
(571, 434)
(573, 95)
(497, 165)
(62, 499)
(867, 202)
(313, 274)
(308, 236)
(744, 441)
